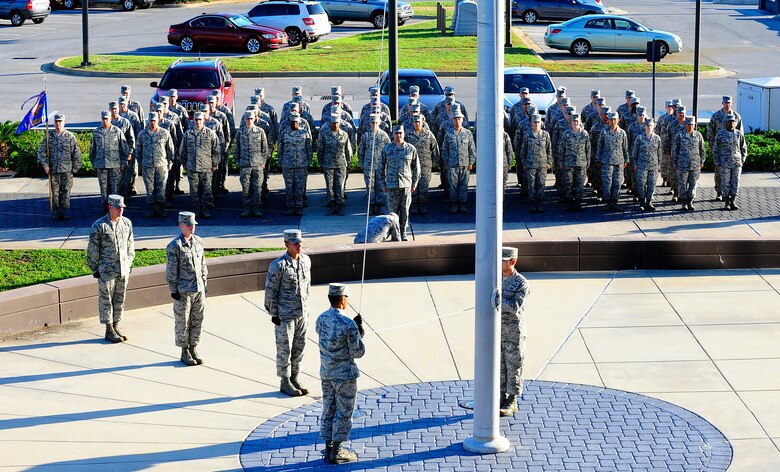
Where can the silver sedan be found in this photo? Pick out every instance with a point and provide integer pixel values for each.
(607, 33)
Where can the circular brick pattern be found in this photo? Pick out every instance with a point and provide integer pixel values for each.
(559, 426)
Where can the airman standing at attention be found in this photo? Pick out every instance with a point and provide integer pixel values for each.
(109, 154)
(514, 290)
(155, 151)
(200, 153)
(730, 151)
(251, 153)
(64, 160)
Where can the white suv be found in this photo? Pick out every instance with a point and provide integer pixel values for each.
(299, 19)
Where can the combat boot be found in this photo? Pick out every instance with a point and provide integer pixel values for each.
(206, 212)
(719, 197)
(331, 208)
(118, 333)
(454, 208)
(502, 396)
(578, 204)
(290, 211)
(463, 208)
(733, 203)
(194, 354)
(570, 205)
(151, 211)
(298, 211)
(684, 204)
(341, 456)
(424, 208)
(65, 213)
(294, 382)
(510, 408)
(643, 204)
(186, 357)
(650, 206)
(111, 334)
(690, 204)
(326, 453)
(340, 209)
(254, 210)
(160, 210)
(287, 388)
(727, 203)
(55, 214)
(247, 212)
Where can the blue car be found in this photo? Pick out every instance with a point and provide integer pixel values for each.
(431, 91)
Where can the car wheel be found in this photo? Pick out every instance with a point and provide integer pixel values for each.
(314, 39)
(186, 44)
(663, 50)
(38, 21)
(580, 48)
(401, 23)
(530, 17)
(69, 4)
(16, 18)
(253, 45)
(336, 22)
(128, 5)
(294, 36)
(378, 20)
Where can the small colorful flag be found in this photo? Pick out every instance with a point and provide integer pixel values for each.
(38, 113)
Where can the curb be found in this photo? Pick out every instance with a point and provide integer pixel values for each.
(56, 68)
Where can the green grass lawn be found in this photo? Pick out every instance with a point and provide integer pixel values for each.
(20, 268)
(420, 46)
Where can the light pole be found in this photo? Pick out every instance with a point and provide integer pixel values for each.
(85, 33)
(696, 61)
(392, 18)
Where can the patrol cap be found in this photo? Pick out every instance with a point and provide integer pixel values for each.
(649, 122)
(153, 116)
(105, 114)
(187, 218)
(525, 101)
(297, 99)
(532, 108)
(605, 110)
(524, 90)
(729, 117)
(565, 101)
(726, 99)
(297, 89)
(123, 99)
(561, 92)
(508, 253)
(336, 98)
(373, 90)
(198, 115)
(398, 129)
(570, 109)
(457, 113)
(635, 100)
(415, 107)
(450, 99)
(335, 90)
(159, 107)
(59, 117)
(253, 108)
(203, 107)
(164, 99)
(612, 115)
(689, 120)
(575, 117)
(595, 93)
(449, 91)
(335, 116)
(212, 99)
(254, 99)
(630, 94)
(125, 88)
(601, 101)
(112, 105)
(680, 109)
(173, 93)
(640, 110)
(669, 103)
(417, 118)
(248, 116)
(338, 290)
(375, 118)
(676, 101)
(413, 101)
(536, 118)
(292, 236)
(295, 118)
(414, 90)
(116, 201)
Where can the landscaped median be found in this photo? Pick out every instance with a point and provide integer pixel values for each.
(420, 46)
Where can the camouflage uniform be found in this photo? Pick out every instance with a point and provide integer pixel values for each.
(508, 156)
(155, 151)
(287, 288)
(646, 156)
(514, 290)
(380, 229)
(110, 252)
(251, 153)
(199, 153)
(536, 155)
(458, 152)
(64, 161)
(295, 154)
(228, 130)
(340, 345)
(128, 179)
(136, 108)
(717, 123)
(625, 117)
(399, 171)
(108, 153)
(186, 274)
(428, 153)
(612, 152)
(730, 151)
(595, 164)
(126, 127)
(369, 150)
(660, 130)
(688, 154)
(334, 152)
(671, 130)
(575, 156)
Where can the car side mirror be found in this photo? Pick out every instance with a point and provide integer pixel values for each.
(228, 83)
(640, 30)
(153, 84)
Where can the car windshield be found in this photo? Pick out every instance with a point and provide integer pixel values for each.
(428, 85)
(536, 83)
(315, 9)
(190, 79)
(240, 20)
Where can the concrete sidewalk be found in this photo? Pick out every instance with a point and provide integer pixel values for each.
(24, 220)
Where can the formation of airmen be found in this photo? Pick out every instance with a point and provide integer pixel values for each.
(600, 148)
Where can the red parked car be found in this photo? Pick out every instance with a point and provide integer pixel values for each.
(225, 30)
(195, 80)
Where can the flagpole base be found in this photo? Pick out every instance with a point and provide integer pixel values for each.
(486, 445)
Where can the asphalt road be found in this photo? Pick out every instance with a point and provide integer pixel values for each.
(737, 38)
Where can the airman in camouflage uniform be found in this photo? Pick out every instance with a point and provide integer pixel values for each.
(536, 155)
(449, 92)
(625, 108)
(200, 154)
(595, 132)
(634, 129)
(672, 129)
(612, 152)
(414, 93)
(156, 154)
(297, 97)
(251, 153)
(730, 151)
(590, 112)
(459, 153)
(716, 124)
(340, 344)
(370, 148)
(514, 290)
(660, 129)
(373, 100)
(508, 156)
(688, 154)
(646, 157)
(523, 129)
(133, 105)
(380, 229)
(295, 155)
(126, 127)
(335, 92)
(109, 153)
(110, 254)
(186, 274)
(399, 173)
(385, 124)
(63, 160)
(334, 151)
(128, 179)
(428, 154)
(287, 288)
(575, 146)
